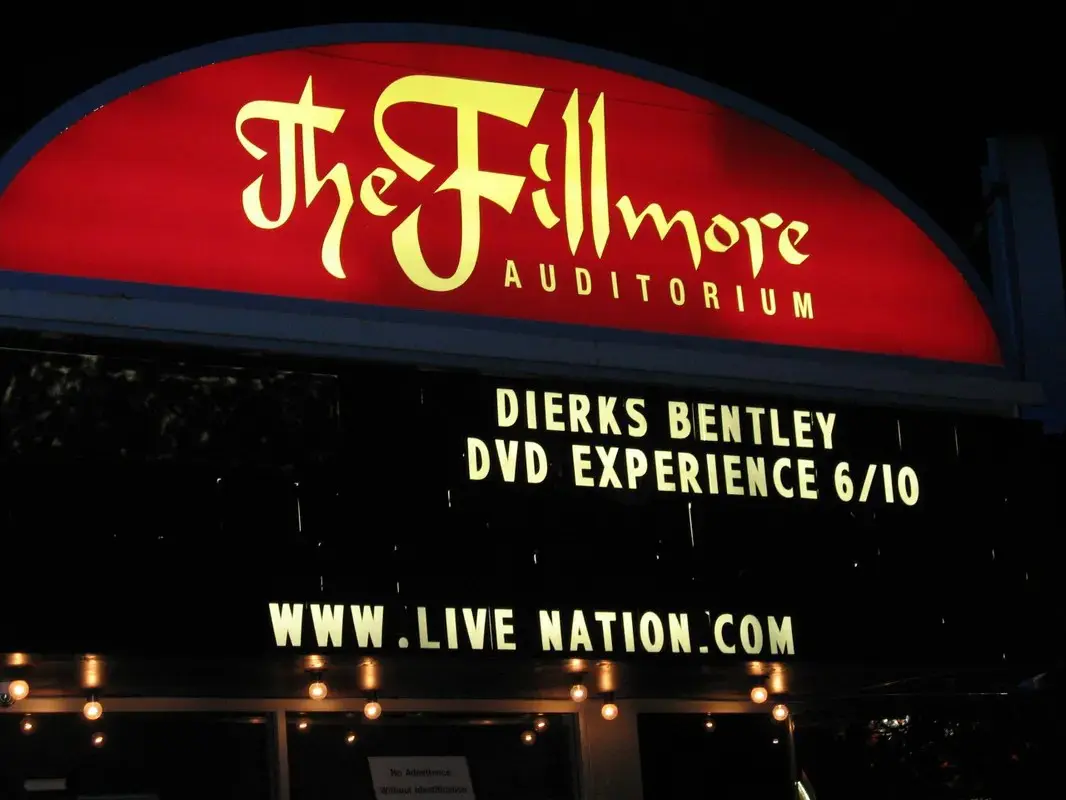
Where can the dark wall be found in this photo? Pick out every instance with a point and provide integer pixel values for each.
(210, 756)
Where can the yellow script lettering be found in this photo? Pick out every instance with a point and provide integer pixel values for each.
(516, 104)
(654, 211)
(309, 118)
(469, 98)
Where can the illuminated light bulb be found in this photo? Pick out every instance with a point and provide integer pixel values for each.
(759, 694)
(528, 737)
(540, 724)
(92, 710)
(709, 724)
(778, 683)
(303, 724)
(609, 711)
(18, 690)
(780, 712)
(317, 690)
(28, 725)
(372, 710)
(92, 672)
(350, 738)
(579, 693)
(98, 740)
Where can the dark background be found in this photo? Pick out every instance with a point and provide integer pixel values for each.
(169, 755)
(745, 756)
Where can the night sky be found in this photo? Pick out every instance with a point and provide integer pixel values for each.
(906, 86)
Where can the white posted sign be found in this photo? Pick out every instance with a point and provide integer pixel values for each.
(421, 776)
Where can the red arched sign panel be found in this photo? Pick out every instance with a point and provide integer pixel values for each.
(446, 178)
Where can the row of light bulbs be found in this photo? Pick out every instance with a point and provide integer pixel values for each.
(18, 690)
(28, 725)
(317, 690)
(527, 737)
(760, 695)
(609, 711)
(579, 693)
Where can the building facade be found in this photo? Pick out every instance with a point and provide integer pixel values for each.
(396, 410)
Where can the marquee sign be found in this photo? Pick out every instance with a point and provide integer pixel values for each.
(439, 513)
(318, 627)
(614, 441)
(486, 182)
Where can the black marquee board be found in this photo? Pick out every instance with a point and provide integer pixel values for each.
(363, 485)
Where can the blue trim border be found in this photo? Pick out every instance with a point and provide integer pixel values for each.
(11, 281)
(281, 325)
(79, 107)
